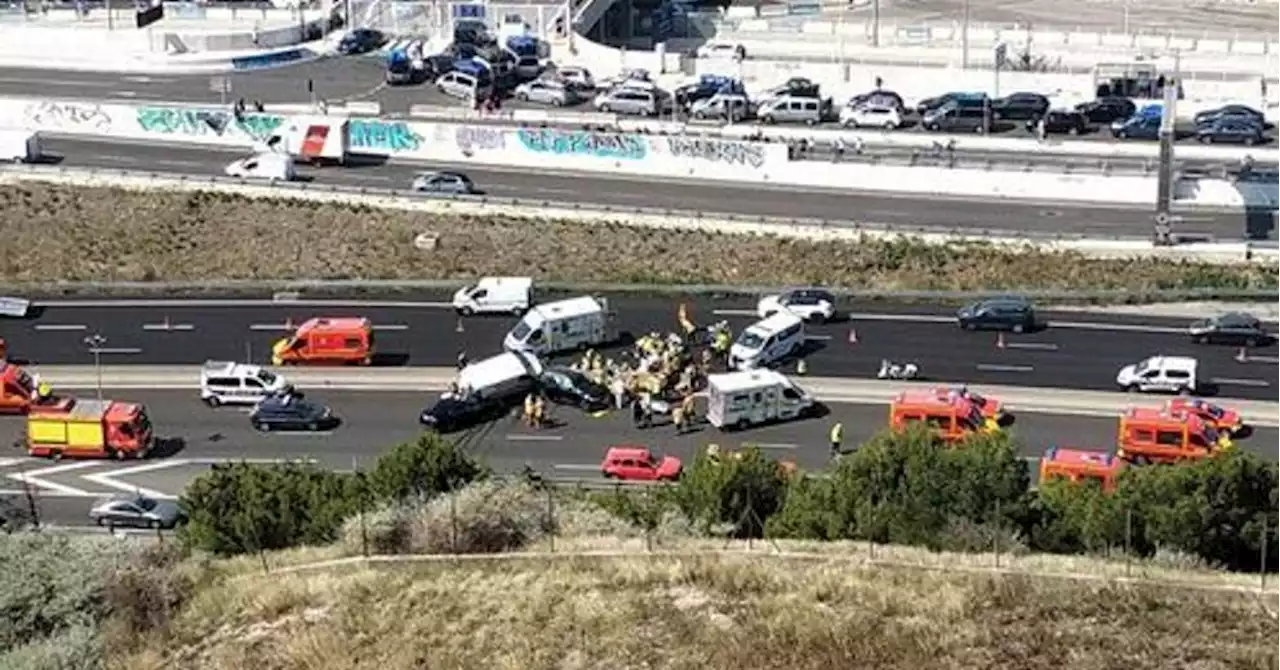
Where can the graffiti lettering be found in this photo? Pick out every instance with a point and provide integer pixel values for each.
(389, 136)
(583, 143)
(479, 138)
(205, 122)
(68, 116)
(716, 151)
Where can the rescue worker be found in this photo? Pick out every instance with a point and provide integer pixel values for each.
(43, 393)
(686, 406)
(539, 412)
(722, 341)
(462, 360)
(637, 413)
(677, 418)
(802, 368)
(837, 438)
(3, 349)
(619, 390)
(685, 322)
(528, 410)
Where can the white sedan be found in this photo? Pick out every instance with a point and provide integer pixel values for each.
(811, 304)
(722, 50)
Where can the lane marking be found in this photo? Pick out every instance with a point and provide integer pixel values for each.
(733, 312)
(1038, 346)
(772, 445)
(270, 326)
(36, 478)
(108, 479)
(817, 337)
(220, 461)
(577, 467)
(54, 494)
(930, 318)
(1261, 359)
(515, 437)
(391, 326)
(301, 433)
(129, 304)
(6, 462)
(115, 350)
(61, 326)
(991, 367)
(1231, 381)
(167, 327)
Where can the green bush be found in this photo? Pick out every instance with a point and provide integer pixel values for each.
(486, 517)
(243, 508)
(737, 491)
(78, 648)
(422, 469)
(1072, 518)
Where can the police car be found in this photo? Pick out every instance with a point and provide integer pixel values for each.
(227, 383)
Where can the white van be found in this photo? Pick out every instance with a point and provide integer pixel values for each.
(495, 295)
(227, 383)
(1166, 374)
(312, 139)
(564, 325)
(270, 165)
(741, 399)
(500, 377)
(20, 146)
(768, 341)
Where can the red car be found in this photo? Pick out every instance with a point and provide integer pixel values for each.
(1224, 419)
(638, 464)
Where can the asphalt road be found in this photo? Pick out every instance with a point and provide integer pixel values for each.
(1078, 351)
(907, 212)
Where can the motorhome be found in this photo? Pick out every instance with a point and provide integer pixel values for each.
(564, 325)
(495, 295)
(738, 400)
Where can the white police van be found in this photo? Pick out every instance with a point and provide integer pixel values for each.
(227, 383)
(767, 342)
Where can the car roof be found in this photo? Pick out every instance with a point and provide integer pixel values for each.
(1175, 362)
(775, 322)
(628, 450)
(1236, 318)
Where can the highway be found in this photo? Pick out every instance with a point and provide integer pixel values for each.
(1077, 351)
(908, 212)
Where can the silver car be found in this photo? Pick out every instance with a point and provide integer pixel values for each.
(635, 101)
(454, 183)
(547, 92)
(464, 86)
(137, 511)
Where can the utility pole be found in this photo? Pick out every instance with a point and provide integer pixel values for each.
(95, 342)
(875, 23)
(964, 38)
(1166, 180)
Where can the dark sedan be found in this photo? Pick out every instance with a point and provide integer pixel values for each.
(360, 40)
(1231, 131)
(570, 387)
(1020, 107)
(1107, 110)
(1232, 112)
(1061, 121)
(291, 413)
(1234, 328)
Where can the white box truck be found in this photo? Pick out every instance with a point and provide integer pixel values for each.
(738, 400)
(564, 325)
(312, 139)
(20, 146)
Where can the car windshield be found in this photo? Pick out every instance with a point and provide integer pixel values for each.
(146, 504)
(521, 331)
(750, 340)
(267, 378)
(1142, 366)
(1212, 410)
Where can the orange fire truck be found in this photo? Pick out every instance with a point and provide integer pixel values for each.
(1149, 435)
(89, 429)
(954, 416)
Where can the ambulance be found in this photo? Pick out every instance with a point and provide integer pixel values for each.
(564, 325)
(327, 341)
(738, 400)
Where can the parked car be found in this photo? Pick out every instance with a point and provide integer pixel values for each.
(879, 98)
(1019, 107)
(1107, 110)
(633, 100)
(454, 183)
(1235, 328)
(810, 304)
(576, 77)
(289, 412)
(870, 116)
(1058, 121)
(1138, 128)
(361, 40)
(732, 107)
(137, 511)
(959, 99)
(1232, 112)
(1013, 313)
(794, 109)
(953, 117)
(1231, 130)
(547, 92)
(566, 386)
(721, 50)
(799, 87)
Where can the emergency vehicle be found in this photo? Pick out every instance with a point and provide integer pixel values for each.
(327, 341)
(564, 325)
(21, 390)
(1079, 465)
(1157, 436)
(953, 417)
(990, 407)
(737, 400)
(89, 429)
(1224, 419)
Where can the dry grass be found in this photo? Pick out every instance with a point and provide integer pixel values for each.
(99, 234)
(739, 610)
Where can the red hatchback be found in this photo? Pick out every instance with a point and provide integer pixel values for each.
(636, 463)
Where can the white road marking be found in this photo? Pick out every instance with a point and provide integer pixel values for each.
(270, 326)
(109, 480)
(933, 318)
(535, 438)
(301, 433)
(391, 326)
(771, 445)
(177, 163)
(61, 326)
(54, 494)
(6, 462)
(1039, 346)
(125, 94)
(115, 350)
(990, 367)
(168, 327)
(1261, 359)
(36, 478)
(221, 461)
(733, 312)
(133, 304)
(817, 337)
(577, 467)
(1231, 381)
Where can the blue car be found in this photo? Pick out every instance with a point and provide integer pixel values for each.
(1231, 130)
(361, 40)
(1138, 127)
(291, 412)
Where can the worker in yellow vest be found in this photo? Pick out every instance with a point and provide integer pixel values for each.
(837, 438)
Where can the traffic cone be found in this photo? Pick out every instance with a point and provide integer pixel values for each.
(459, 329)
(853, 336)
(801, 367)
(1000, 341)
(1242, 356)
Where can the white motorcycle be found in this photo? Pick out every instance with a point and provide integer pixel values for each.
(891, 370)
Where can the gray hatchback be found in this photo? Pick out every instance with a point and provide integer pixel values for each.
(1005, 313)
(137, 511)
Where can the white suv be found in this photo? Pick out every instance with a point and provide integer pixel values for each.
(811, 304)
(227, 383)
(1165, 374)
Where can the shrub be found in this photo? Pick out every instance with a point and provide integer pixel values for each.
(384, 530)
(422, 469)
(1070, 518)
(740, 490)
(486, 517)
(145, 593)
(77, 648)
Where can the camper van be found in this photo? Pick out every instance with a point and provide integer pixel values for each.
(738, 400)
(312, 139)
(564, 325)
(20, 146)
(495, 295)
(768, 341)
(267, 165)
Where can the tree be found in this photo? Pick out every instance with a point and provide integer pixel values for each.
(1077, 517)
(423, 469)
(742, 490)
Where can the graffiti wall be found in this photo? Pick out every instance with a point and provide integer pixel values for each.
(716, 151)
(70, 117)
(471, 140)
(382, 137)
(611, 146)
(188, 123)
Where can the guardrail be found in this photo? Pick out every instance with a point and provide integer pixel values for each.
(853, 227)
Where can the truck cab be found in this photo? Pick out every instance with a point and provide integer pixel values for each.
(89, 429)
(1149, 435)
(20, 391)
(952, 418)
(327, 341)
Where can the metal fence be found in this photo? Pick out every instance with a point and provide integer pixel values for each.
(434, 18)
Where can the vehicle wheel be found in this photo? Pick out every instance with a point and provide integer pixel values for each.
(523, 97)
(1132, 388)
(809, 122)
(261, 427)
(818, 319)
(968, 325)
(933, 127)
(741, 424)
(1184, 391)
(604, 109)
(769, 120)
(1200, 339)
(1122, 135)
(1248, 141)
(890, 126)
(313, 427)
(102, 521)
(1073, 130)
(212, 401)
(153, 524)
(1206, 139)
(116, 454)
(557, 103)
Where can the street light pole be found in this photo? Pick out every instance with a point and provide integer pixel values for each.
(964, 38)
(95, 342)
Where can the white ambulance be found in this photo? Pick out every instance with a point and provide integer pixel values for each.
(564, 325)
(738, 400)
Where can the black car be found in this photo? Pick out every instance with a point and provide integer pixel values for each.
(1107, 110)
(1006, 313)
(1232, 112)
(1020, 107)
(978, 100)
(1234, 328)
(796, 86)
(361, 40)
(1228, 130)
(291, 412)
(1058, 121)
(471, 31)
(452, 412)
(565, 386)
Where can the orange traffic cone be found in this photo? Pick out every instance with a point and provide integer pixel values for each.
(1000, 341)
(853, 336)
(1242, 356)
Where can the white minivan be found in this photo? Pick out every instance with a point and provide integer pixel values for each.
(270, 165)
(1162, 374)
(228, 383)
(564, 325)
(495, 295)
(768, 341)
